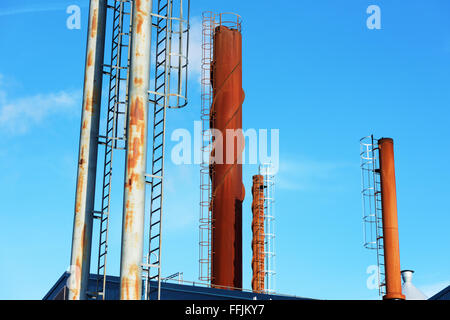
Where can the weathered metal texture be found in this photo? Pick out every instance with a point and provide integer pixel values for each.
(134, 193)
(258, 234)
(87, 159)
(390, 223)
(227, 188)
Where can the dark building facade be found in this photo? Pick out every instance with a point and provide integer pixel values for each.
(442, 295)
(169, 291)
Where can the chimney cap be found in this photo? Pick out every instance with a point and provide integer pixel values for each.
(407, 270)
(408, 288)
(383, 139)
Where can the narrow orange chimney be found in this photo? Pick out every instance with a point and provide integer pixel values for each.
(390, 222)
(227, 188)
(258, 234)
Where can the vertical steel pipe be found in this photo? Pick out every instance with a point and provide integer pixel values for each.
(134, 193)
(258, 234)
(87, 158)
(227, 188)
(390, 222)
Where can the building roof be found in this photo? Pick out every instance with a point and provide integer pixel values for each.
(169, 291)
(442, 295)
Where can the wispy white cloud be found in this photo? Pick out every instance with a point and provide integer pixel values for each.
(25, 7)
(19, 115)
(304, 174)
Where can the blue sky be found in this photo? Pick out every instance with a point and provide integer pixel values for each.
(311, 69)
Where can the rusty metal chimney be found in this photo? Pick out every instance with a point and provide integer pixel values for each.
(136, 159)
(126, 127)
(227, 188)
(390, 223)
(258, 234)
(88, 149)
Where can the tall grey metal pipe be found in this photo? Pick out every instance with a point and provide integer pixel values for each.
(87, 158)
(134, 193)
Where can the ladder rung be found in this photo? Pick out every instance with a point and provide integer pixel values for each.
(153, 250)
(157, 209)
(159, 122)
(161, 52)
(154, 237)
(155, 223)
(159, 158)
(161, 41)
(158, 111)
(157, 89)
(162, 8)
(162, 29)
(157, 184)
(160, 75)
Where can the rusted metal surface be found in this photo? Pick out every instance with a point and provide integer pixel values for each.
(258, 234)
(390, 223)
(134, 193)
(227, 188)
(87, 159)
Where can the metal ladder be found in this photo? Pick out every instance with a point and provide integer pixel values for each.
(118, 72)
(372, 205)
(206, 175)
(160, 102)
(379, 231)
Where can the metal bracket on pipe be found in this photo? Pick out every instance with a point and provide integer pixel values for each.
(146, 266)
(152, 176)
(97, 214)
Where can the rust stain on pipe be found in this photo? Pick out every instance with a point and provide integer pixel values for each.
(87, 158)
(390, 221)
(227, 188)
(90, 59)
(94, 24)
(258, 234)
(140, 21)
(134, 193)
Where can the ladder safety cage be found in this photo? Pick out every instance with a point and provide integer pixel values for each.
(117, 72)
(372, 206)
(267, 171)
(206, 175)
(170, 24)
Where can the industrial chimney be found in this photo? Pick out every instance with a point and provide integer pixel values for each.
(389, 219)
(127, 72)
(88, 150)
(227, 188)
(258, 234)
